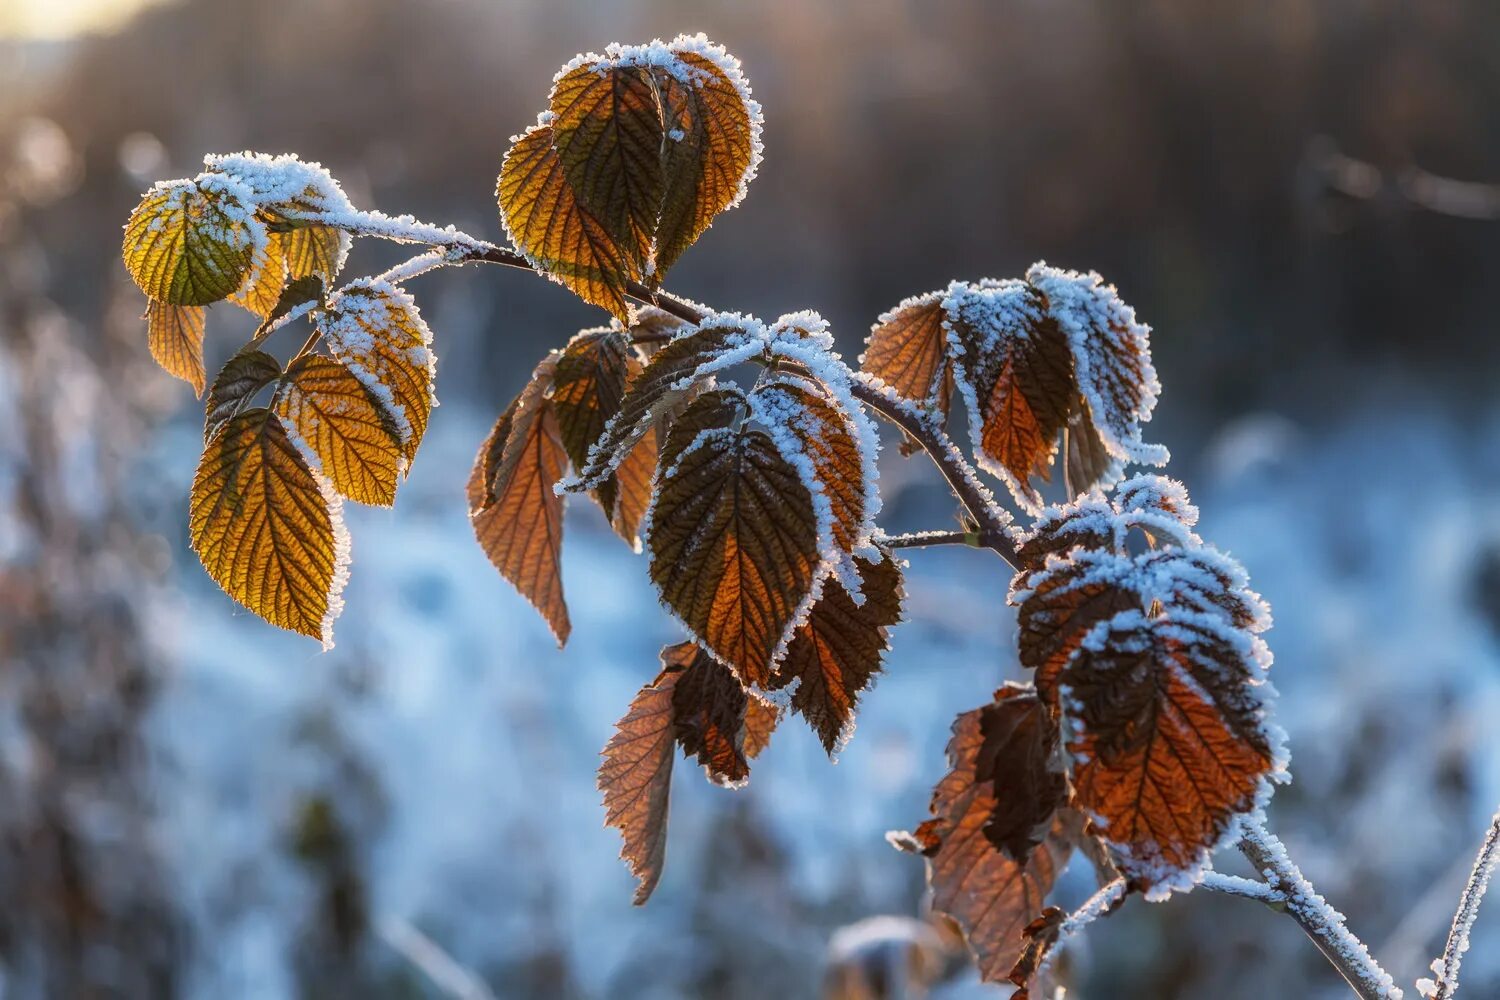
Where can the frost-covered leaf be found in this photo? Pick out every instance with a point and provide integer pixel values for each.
(732, 534)
(588, 386)
(608, 135)
(991, 896)
(1019, 758)
(266, 529)
(176, 337)
(836, 652)
(907, 348)
(550, 225)
(335, 415)
(1168, 739)
(1112, 358)
(517, 516)
(1089, 463)
(667, 379)
(713, 143)
(314, 251)
(636, 778)
(190, 243)
(242, 376)
(262, 289)
(375, 330)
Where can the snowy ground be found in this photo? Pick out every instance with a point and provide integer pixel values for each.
(464, 743)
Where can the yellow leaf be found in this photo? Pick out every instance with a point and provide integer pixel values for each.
(377, 332)
(176, 337)
(262, 290)
(336, 416)
(315, 250)
(265, 529)
(189, 243)
(516, 514)
(554, 230)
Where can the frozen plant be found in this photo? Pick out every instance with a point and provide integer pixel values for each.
(1144, 742)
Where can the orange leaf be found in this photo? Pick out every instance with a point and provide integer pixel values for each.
(517, 516)
(636, 777)
(906, 348)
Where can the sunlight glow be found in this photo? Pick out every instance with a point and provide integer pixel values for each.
(55, 19)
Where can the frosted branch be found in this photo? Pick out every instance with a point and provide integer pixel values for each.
(1446, 967)
(1322, 923)
(1247, 888)
(922, 539)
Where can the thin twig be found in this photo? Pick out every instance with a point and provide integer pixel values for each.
(923, 539)
(1322, 923)
(1246, 888)
(1468, 910)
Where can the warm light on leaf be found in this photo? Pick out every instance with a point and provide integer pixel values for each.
(907, 350)
(190, 243)
(176, 337)
(710, 707)
(265, 529)
(836, 653)
(636, 778)
(992, 897)
(335, 415)
(732, 535)
(517, 516)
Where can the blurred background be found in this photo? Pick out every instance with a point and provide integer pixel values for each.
(192, 804)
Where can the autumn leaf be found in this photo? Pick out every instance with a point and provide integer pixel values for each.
(550, 225)
(517, 516)
(266, 530)
(375, 330)
(667, 379)
(337, 417)
(992, 897)
(636, 778)
(1019, 758)
(237, 383)
(907, 348)
(732, 535)
(837, 651)
(1168, 743)
(1061, 603)
(175, 334)
(710, 707)
(713, 135)
(1089, 463)
(588, 386)
(608, 136)
(314, 251)
(189, 243)
(262, 290)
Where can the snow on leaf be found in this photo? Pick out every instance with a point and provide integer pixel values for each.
(374, 328)
(732, 535)
(517, 516)
(667, 379)
(835, 654)
(192, 243)
(1112, 358)
(907, 349)
(992, 897)
(175, 334)
(266, 528)
(335, 415)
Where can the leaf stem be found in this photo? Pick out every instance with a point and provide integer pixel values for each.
(1321, 922)
(1468, 911)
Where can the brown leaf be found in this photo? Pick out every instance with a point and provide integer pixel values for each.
(517, 516)
(907, 348)
(838, 650)
(732, 536)
(710, 707)
(1168, 743)
(991, 897)
(1019, 757)
(552, 227)
(608, 135)
(242, 376)
(265, 530)
(636, 777)
(336, 416)
(1063, 603)
(709, 154)
(1089, 463)
(176, 337)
